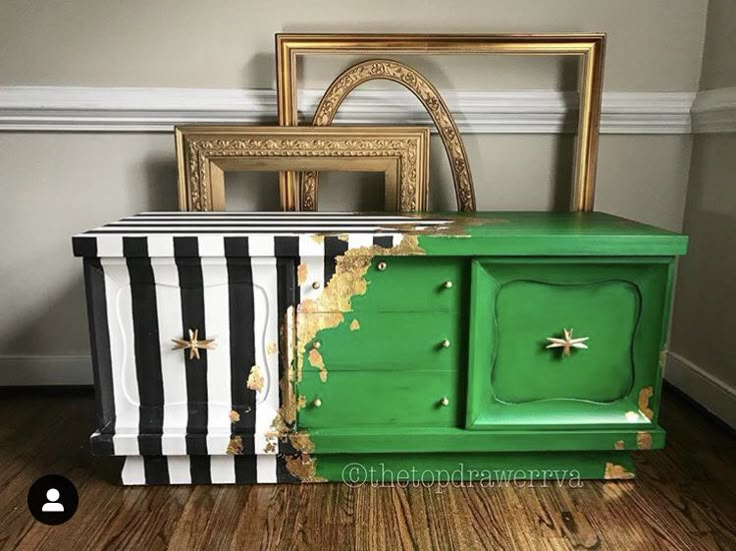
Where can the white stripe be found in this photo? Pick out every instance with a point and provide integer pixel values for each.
(312, 255)
(265, 331)
(179, 472)
(173, 365)
(122, 355)
(217, 322)
(160, 246)
(211, 245)
(110, 246)
(222, 469)
(266, 469)
(133, 471)
(358, 240)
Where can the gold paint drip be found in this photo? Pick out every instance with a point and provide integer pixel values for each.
(303, 467)
(645, 395)
(255, 379)
(354, 325)
(302, 272)
(235, 447)
(617, 472)
(644, 440)
(315, 359)
(301, 442)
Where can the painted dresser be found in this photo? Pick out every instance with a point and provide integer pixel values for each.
(285, 347)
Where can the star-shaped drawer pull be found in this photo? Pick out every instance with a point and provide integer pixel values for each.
(567, 343)
(193, 344)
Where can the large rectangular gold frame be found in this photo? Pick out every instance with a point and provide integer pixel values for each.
(588, 47)
(204, 153)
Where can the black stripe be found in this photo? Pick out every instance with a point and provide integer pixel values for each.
(245, 469)
(156, 469)
(199, 469)
(242, 340)
(287, 296)
(191, 288)
(286, 246)
(334, 247)
(386, 241)
(146, 343)
(84, 246)
(99, 333)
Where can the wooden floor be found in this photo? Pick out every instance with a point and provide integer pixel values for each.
(684, 499)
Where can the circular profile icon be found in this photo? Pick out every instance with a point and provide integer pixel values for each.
(53, 499)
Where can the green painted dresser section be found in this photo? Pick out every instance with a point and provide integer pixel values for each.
(442, 365)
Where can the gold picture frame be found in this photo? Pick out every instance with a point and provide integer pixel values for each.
(589, 47)
(205, 152)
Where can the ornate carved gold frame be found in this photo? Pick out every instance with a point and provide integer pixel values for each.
(588, 47)
(204, 153)
(425, 92)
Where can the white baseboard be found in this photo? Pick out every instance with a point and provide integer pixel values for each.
(712, 393)
(118, 109)
(45, 370)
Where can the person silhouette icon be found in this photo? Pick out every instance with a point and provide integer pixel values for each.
(52, 505)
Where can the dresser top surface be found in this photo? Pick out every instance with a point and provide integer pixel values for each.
(471, 234)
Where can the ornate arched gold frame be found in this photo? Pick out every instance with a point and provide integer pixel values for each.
(425, 92)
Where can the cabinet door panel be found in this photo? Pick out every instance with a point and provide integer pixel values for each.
(618, 306)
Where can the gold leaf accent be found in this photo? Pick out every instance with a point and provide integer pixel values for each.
(302, 272)
(343, 237)
(326, 312)
(270, 447)
(302, 442)
(354, 325)
(301, 402)
(315, 358)
(645, 395)
(272, 348)
(617, 472)
(644, 440)
(235, 447)
(620, 445)
(303, 467)
(318, 238)
(234, 416)
(255, 379)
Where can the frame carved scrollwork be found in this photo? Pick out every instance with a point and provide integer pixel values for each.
(205, 153)
(425, 92)
(587, 47)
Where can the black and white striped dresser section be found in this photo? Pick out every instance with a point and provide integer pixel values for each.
(231, 277)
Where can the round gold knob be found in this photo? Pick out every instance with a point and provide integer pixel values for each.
(317, 402)
(445, 344)
(445, 401)
(316, 345)
(316, 285)
(448, 285)
(381, 266)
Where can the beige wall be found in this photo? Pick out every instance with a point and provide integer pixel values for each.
(55, 184)
(705, 305)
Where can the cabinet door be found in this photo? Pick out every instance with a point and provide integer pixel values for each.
(566, 342)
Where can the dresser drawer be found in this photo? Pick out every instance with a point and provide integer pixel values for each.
(376, 398)
(392, 284)
(382, 341)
